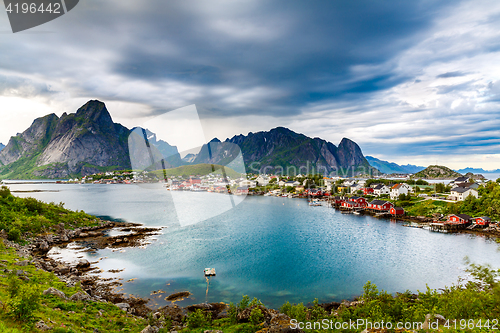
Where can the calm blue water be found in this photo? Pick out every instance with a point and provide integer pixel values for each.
(275, 249)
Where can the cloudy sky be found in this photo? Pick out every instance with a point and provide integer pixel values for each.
(410, 81)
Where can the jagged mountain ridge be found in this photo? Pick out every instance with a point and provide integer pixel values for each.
(282, 147)
(88, 141)
(75, 144)
(2, 146)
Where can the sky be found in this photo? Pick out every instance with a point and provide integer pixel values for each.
(410, 81)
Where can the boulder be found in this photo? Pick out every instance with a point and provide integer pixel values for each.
(433, 320)
(80, 296)
(43, 246)
(176, 313)
(150, 329)
(123, 306)
(22, 263)
(42, 326)
(62, 269)
(213, 308)
(55, 292)
(177, 296)
(83, 263)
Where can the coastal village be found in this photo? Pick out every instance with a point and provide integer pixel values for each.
(376, 196)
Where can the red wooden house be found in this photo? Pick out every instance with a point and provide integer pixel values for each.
(338, 200)
(368, 191)
(380, 205)
(194, 181)
(360, 201)
(459, 219)
(483, 220)
(241, 190)
(313, 192)
(396, 211)
(350, 204)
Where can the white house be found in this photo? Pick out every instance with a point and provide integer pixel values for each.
(248, 183)
(355, 188)
(399, 189)
(262, 180)
(460, 193)
(381, 189)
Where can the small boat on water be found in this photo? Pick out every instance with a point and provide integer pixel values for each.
(315, 203)
(356, 213)
(209, 271)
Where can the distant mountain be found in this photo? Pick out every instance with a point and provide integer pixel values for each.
(75, 144)
(283, 148)
(1, 147)
(391, 167)
(437, 172)
(410, 168)
(476, 170)
(384, 166)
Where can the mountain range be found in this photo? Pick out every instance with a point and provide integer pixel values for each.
(281, 149)
(390, 167)
(1, 147)
(88, 141)
(477, 170)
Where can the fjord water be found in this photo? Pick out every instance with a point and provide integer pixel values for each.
(275, 249)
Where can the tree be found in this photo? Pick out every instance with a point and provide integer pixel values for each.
(440, 187)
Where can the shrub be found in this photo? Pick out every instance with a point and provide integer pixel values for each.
(25, 302)
(370, 291)
(244, 303)
(197, 319)
(295, 311)
(4, 192)
(14, 235)
(317, 312)
(256, 316)
(233, 313)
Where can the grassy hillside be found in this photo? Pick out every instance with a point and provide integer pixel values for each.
(22, 303)
(436, 172)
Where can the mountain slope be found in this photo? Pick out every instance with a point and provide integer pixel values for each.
(76, 144)
(437, 172)
(281, 148)
(1, 146)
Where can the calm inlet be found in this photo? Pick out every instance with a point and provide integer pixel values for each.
(275, 249)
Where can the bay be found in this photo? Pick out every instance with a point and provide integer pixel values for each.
(275, 249)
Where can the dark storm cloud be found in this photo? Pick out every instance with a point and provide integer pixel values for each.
(310, 57)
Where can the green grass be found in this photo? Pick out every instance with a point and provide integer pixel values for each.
(23, 218)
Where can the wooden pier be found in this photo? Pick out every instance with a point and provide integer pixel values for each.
(447, 227)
